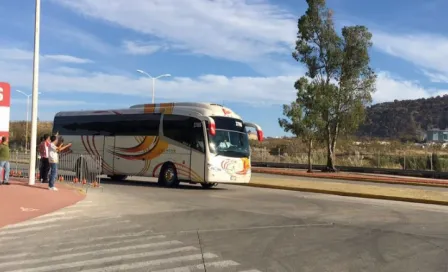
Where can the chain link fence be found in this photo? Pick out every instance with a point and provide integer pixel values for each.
(404, 160)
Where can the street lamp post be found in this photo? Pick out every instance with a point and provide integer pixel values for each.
(33, 148)
(27, 117)
(153, 80)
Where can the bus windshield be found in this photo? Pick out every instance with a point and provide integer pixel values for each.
(231, 138)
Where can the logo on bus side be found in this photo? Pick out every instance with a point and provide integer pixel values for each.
(229, 166)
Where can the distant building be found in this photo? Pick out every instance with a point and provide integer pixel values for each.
(437, 135)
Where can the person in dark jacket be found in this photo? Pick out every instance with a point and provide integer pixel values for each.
(4, 160)
(44, 168)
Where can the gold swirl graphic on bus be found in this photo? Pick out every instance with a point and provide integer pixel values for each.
(166, 108)
(149, 108)
(151, 146)
(246, 167)
(144, 143)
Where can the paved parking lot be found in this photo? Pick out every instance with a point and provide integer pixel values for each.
(136, 226)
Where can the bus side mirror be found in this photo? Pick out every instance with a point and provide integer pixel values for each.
(258, 128)
(260, 135)
(212, 128)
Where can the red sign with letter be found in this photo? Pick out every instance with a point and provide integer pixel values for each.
(5, 94)
(5, 103)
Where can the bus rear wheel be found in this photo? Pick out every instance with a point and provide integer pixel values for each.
(208, 185)
(168, 176)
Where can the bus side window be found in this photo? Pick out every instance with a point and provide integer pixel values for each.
(185, 130)
(176, 128)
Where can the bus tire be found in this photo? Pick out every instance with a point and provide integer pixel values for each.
(168, 176)
(117, 177)
(208, 185)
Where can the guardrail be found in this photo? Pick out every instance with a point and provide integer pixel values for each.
(355, 169)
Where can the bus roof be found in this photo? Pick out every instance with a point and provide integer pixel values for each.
(204, 109)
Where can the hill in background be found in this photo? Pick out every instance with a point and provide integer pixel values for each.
(406, 119)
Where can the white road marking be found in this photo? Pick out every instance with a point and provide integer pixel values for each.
(37, 222)
(12, 256)
(23, 240)
(92, 239)
(59, 213)
(126, 267)
(190, 268)
(85, 263)
(96, 226)
(140, 239)
(4, 233)
(40, 259)
(88, 245)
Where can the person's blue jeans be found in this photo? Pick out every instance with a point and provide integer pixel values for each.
(53, 174)
(6, 167)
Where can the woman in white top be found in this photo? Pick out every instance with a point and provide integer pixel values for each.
(53, 158)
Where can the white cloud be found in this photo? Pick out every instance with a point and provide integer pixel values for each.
(74, 37)
(16, 54)
(436, 77)
(428, 51)
(55, 102)
(273, 90)
(139, 48)
(66, 58)
(233, 29)
(390, 88)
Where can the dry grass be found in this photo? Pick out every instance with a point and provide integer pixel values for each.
(394, 155)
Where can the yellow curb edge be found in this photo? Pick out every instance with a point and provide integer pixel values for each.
(349, 194)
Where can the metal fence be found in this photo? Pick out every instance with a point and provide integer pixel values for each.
(79, 169)
(422, 161)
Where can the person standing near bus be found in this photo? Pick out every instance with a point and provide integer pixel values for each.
(53, 159)
(4, 160)
(44, 153)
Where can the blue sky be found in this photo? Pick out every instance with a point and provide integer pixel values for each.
(234, 52)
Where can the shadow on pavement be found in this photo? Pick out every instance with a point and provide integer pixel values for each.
(42, 186)
(182, 186)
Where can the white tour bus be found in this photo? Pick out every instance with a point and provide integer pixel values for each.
(175, 142)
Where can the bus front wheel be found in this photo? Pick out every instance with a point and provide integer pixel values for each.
(168, 176)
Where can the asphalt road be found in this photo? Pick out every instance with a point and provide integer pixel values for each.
(140, 227)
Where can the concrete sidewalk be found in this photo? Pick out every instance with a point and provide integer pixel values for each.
(20, 202)
(355, 190)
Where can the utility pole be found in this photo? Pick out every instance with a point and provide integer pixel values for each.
(33, 151)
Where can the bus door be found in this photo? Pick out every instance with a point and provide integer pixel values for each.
(108, 157)
(197, 157)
